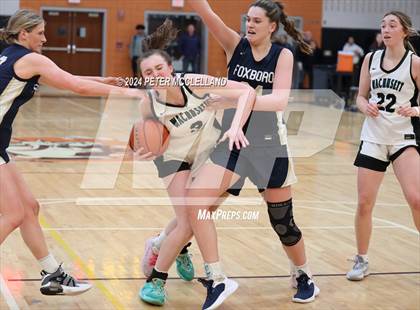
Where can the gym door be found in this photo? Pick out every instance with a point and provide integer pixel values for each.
(74, 41)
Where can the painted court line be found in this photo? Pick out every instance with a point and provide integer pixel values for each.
(8, 297)
(218, 228)
(316, 275)
(403, 227)
(146, 201)
(73, 255)
(81, 106)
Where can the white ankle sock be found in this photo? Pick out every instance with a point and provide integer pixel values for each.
(365, 257)
(48, 263)
(214, 271)
(305, 269)
(158, 241)
(292, 267)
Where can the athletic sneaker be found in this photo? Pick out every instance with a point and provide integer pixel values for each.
(150, 257)
(306, 289)
(60, 283)
(217, 292)
(359, 270)
(153, 292)
(184, 265)
(292, 281)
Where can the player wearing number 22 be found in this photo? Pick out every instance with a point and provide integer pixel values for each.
(391, 131)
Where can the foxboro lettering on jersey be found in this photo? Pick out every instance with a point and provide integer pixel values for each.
(387, 83)
(252, 74)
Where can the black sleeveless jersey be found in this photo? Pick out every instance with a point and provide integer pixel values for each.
(14, 91)
(243, 67)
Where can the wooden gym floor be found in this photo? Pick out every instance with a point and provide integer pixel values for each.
(99, 234)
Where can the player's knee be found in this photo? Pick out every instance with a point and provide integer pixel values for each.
(31, 208)
(16, 218)
(35, 208)
(365, 204)
(281, 219)
(414, 201)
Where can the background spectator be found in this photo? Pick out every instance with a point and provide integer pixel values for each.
(377, 43)
(136, 48)
(189, 45)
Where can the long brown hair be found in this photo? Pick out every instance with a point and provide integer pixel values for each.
(275, 12)
(407, 25)
(155, 43)
(21, 20)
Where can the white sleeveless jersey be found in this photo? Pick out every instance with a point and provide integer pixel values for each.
(391, 89)
(194, 131)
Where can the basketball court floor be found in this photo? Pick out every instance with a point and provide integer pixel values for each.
(99, 233)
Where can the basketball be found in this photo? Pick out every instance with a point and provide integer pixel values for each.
(151, 135)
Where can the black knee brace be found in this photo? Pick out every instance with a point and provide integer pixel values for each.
(281, 218)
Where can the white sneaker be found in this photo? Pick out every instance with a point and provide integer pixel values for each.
(150, 257)
(60, 283)
(359, 270)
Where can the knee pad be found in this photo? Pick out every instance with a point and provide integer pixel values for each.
(281, 218)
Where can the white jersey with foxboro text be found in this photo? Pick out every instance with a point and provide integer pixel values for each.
(194, 131)
(391, 89)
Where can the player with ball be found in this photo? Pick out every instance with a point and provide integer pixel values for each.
(193, 133)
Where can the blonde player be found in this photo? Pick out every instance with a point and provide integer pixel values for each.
(388, 96)
(22, 67)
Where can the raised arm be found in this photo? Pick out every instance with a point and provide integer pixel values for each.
(226, 37)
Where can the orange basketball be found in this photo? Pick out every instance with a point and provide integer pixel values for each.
(151, 135)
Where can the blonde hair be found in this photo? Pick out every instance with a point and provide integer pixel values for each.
(407, 25)
(21, 20)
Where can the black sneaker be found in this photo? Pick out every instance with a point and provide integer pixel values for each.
(217, 292)
(60, 283)
(306, 289)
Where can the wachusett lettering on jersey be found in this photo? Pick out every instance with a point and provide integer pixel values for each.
(252, 74)
(183, 117)
(387, 83)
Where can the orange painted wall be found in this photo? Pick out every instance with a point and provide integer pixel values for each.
(117, 60)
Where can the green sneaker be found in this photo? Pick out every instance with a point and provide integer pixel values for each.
(153, 292)
(185, 267)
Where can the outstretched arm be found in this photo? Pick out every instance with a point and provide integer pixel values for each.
(50, 74)
(110, 80)
(226, 37)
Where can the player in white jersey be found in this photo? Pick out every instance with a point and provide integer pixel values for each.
(388, 96)
(194, 132)
(22, 67)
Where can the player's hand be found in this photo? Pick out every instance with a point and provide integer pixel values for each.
(408, 111)
(371, 110)
(115, 81)
(140, 155)
(216, 102)
(235, 136)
